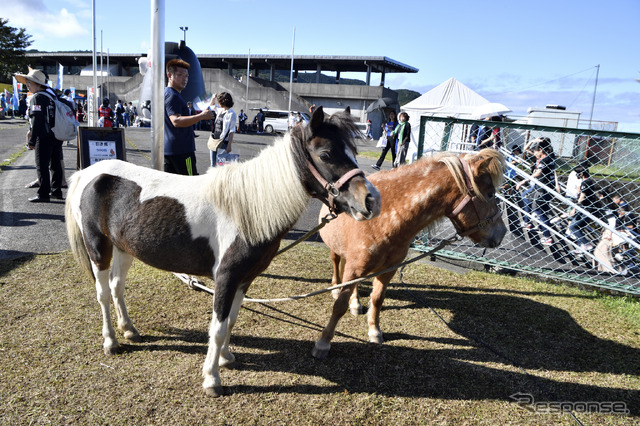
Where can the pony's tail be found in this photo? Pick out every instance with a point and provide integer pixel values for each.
(73, 231)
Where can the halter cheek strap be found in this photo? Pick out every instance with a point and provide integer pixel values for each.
(470, 196)
(470, 193)
(333, 189)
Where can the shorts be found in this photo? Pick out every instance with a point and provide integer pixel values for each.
(181, 164)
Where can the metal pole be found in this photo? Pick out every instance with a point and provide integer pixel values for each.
(293, 44)
(593, 102)
(246, 98)
(101, 66)
(93, 113)
(108, 81)
(157, 90)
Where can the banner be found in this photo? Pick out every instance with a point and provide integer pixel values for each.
(60, 77)
(15, 100)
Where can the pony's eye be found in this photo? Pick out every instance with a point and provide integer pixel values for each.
(325, 156)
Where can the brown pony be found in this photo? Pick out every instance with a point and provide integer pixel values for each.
(413, 198)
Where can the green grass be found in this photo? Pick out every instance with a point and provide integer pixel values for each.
(600, 171)
(375, 154)
(624, 306)
(502, 336)
(12, 158)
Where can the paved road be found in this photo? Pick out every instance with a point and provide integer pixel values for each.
(27, 229)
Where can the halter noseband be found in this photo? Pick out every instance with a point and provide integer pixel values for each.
(333, 189)
(470, 196)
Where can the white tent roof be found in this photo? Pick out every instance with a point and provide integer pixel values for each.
(450, 98)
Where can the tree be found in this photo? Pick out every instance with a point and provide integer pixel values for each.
(13, 44)
(405, 96)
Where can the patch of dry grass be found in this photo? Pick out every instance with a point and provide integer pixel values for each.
(573, 347)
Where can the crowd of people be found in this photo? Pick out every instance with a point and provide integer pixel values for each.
(124, 114)
(535, 196)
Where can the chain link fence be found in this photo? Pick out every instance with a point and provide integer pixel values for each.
(609, 259)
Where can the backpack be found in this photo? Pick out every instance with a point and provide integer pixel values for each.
(65, 125)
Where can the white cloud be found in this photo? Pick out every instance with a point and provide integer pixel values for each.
(43, 25)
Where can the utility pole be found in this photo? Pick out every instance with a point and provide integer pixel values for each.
(593, 102)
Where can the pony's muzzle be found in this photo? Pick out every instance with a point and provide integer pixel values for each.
(370, 204)
(494, 239)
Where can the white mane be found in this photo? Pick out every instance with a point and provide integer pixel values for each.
(263, 196)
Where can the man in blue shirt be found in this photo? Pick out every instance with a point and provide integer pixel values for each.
(179, 142)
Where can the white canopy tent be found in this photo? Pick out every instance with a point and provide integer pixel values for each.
(449, 99)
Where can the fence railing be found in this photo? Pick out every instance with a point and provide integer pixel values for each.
(611, 257)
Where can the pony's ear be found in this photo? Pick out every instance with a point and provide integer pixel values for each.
(347, 109)
(493, 163)
(317, 119)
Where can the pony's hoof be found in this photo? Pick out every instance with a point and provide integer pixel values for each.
(215, 392)
(110, 350)
(228, 361)
(133, 336)
(320, 353)
(376, 337)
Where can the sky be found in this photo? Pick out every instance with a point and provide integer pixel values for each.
(522, 54)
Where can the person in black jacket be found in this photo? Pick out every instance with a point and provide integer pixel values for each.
(40, 137)
(403, 135)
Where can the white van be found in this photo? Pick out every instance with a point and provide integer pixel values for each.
(276, 120)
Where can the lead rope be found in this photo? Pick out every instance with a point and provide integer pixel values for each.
(194, 284)
(328, 218)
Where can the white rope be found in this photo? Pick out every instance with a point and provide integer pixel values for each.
(195, 284)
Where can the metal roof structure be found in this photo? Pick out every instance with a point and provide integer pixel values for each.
(311, 63)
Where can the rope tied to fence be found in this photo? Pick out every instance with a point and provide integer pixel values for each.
(195, 284)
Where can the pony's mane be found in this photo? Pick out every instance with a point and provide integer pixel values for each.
(342, 128)
(491, 161)
(263, 196)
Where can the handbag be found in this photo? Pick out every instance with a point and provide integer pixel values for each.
(214, 143)
(382, 142)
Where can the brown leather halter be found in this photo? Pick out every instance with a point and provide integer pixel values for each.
(333, 189)
(471, 196)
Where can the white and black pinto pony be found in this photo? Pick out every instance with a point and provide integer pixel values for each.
(226, 224)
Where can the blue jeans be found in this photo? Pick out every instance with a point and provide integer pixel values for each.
(214, 154)
(526, 202)
(543, 210)
(578, 223)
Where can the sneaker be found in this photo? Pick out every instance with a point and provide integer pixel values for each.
(555, 220)
(34, 184)
(375, 167)
(546, 241)
(526, 225)
(589, 247)
(579, 251)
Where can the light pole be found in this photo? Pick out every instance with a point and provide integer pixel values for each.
(184, 34)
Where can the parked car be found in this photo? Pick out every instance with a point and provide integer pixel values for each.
(276, 120)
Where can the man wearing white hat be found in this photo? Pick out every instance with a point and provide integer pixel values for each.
(41, 114)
